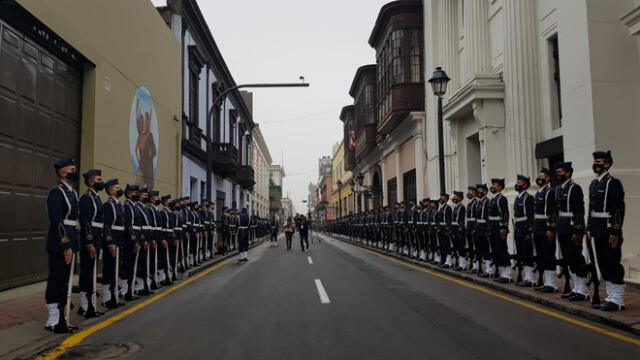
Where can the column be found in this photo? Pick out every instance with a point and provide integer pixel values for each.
(399, 180)
(448, 42)
(420, 171)
(476, 38)
(522, 103)
(383, 181)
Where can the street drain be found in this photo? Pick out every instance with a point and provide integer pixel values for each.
(102, 351)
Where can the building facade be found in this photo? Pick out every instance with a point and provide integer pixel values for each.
(288, 210)
(216, 138)
(384, 128)
(70, 88)
(276, 176)
(533, 83)
(342, 196)
(262, 174)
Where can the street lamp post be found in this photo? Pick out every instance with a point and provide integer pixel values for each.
(438, 82)
(212, 111)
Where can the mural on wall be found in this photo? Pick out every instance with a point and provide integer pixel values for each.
(143, 138)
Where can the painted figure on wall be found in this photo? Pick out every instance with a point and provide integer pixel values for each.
(143, 139)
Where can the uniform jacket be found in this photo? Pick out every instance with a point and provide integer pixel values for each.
(606, 198)
(523, 214)
(546, 213)
(91, 217)
(62, 204)
(570, 205)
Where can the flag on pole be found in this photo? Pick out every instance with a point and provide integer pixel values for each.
(352, 141)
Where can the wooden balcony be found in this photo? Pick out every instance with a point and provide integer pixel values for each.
(349, 160)
(192, 137)
(366, 141)
(224, 160)
(246, 177)
(404, 99)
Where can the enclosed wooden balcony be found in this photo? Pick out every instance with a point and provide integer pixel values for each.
(224, 160)
(246, 177)
(192, 140)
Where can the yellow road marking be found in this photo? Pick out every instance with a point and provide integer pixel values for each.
(539, 309)
(76, 339)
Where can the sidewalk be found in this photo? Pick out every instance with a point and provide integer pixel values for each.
(23, 314)
(627, 320)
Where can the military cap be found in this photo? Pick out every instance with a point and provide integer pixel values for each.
(92, 172)
(481, 186)
(131, 188)
(524, 178)
(194, 203)
(154, 193)
(426, 200)
(64, 163)
(497, 181)
(545, 171)
(165, 198)
(143, 190)
(458, 193)
(564, 165)
(111, 183)
(605, 155)
(471, 188)
(444, 194)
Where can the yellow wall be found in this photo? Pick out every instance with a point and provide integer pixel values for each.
(343, 176)
(131, 47)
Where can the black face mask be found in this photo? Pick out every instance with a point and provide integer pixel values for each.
(519, 188)
(73, 176)
(119, 193)
(135, 197)
(99, 186)
(493, 189)
(469, 196)
(541, 182)
(455, 201)
(561, 177)
(597, 168)
(442, 201)
(146, 200)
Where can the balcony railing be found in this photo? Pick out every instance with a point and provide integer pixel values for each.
(401, 100)
(192, 137)
(245, 177)
(225, 159)
(366, 141)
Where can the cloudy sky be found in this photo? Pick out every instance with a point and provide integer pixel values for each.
(280, 40)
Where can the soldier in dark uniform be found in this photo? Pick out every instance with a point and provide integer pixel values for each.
(412, 225)
(606, 216)
(471, 230)
(131, 242)
(153, 214)
(112, 240)
(523, 217)
(570, 230)
(422, 233)
(90, 241)
(443, 219)
(544, 239)
(62, 243)
(274, 231)
(143, 281)
(432, 231)
(458, 236)
(498, 226)
(482, 232)
(178, 242)
(243, 235)
(167, 226)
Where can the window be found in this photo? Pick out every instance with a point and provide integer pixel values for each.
(409, 181)
(203, 190)
(233, 120)
(416, 74)
(556, 95)
(392, 191)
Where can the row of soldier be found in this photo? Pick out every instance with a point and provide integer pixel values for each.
(473, 236)
(146, 241)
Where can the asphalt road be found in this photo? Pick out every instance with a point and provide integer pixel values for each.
(270, 308)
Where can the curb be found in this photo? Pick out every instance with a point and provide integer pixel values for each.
(31, 351)
(598, 316)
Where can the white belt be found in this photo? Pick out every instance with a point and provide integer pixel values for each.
(96, 225)
(177, 228)
(565, 213)
(442, 223)
(117, 228)
(420, 223)
(600, 215)
(495, 218)
(208, 222)
(541, 217)
(70, 222)
(243, 227)
(157, 228)
(455, 223)
(190, 223)
(520, 219)
(482, 221)
(137, 228)
(168, 230)
(146, 227)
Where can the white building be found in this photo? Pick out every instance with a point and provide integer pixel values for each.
(261, 167)
(535, 82)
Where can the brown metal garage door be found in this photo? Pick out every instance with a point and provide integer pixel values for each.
(40, 107)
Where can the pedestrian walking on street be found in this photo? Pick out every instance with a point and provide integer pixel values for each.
(274, 231)
(303, 228)
(289, 229)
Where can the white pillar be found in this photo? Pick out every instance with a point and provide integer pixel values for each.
(399, 182)
(522, 103)
(448, 43)
(476, 38)
(383, 180)
(420, 171)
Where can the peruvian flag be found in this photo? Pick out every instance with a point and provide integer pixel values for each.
(352, 141)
